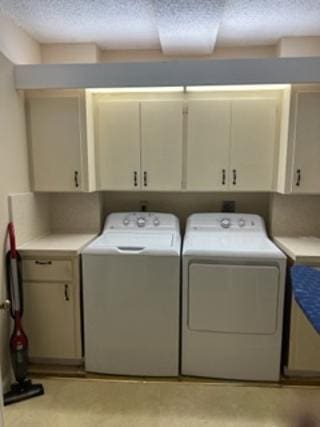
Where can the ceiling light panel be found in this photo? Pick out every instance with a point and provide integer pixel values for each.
(188, 26)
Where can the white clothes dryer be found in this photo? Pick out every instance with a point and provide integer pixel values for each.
(131, 282)
(232, 298)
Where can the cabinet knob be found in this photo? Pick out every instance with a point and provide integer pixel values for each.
(76, 179)
(145, 178)
(5, 305)
(234, 176)
(223, 177)
(135, 178)
(298, 181)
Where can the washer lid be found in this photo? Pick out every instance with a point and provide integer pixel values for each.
(135, 243)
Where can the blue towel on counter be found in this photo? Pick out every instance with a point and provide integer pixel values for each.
(306, 288)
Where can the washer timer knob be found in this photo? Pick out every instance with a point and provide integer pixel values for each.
(141, 222)
(126, 221)
(156, 222)
(242, 222)
(225, 223)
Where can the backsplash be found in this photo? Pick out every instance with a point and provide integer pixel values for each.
(75, 213)
(184, 204)
(37, 214)
(30, 214)
(295, 215)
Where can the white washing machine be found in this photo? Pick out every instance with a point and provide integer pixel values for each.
(233, 294)
(131, 282)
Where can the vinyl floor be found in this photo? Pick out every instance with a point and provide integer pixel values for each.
(102, 403)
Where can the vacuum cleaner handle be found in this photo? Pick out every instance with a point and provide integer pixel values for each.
(12, 239)
(14, 276)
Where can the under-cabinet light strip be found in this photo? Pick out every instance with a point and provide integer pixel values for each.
(236, 87)
(138, 89)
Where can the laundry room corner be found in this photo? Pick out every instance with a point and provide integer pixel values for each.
(14, 168)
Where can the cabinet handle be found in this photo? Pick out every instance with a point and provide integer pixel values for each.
(66, 293)
(43, 262)
(223, 177)
(234, 175)
(145, 179)
(76, 179)
(135, 178)
(298, 177)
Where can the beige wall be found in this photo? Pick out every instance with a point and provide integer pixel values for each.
(63, 53)
(157, 55)
(14, 172)
(295, 215)
(299, 47)
(66, 53)
(17, 45)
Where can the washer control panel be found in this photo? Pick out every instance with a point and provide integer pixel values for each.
(141, 220)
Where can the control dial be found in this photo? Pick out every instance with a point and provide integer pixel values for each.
(126, 221)
(156, 222)
(242, 222)
(141, 222)
(225, 223)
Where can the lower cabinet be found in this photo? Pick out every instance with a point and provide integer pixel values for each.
(304, 345)
(52, 316)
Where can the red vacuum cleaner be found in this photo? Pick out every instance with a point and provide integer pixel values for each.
(23, 388)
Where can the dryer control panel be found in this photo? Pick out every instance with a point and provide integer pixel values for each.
(225, 221)
(141, 220)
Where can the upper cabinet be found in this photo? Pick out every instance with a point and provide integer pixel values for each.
(61, 141)
(139, 144)
(161, 145)
(253, 138)
(221, 140)
(208, 136)
(304, 176)
(231, 144)
(118, 145)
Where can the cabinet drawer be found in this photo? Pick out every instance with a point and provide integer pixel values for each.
(47, 269)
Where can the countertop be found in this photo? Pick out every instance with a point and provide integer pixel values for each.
(300, 249)
(57, 244)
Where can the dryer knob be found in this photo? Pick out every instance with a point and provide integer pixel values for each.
(156, 222)
(126, 221)
(141, 222)
(225, 223)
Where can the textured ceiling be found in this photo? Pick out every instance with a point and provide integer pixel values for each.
(175, 26)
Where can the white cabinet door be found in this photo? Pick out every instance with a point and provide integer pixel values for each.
(1, 402)
(55, 133)
(118, 145)
(208, 136)
(161, 140)
(49, 320)
(253, 136)
(305, 173)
